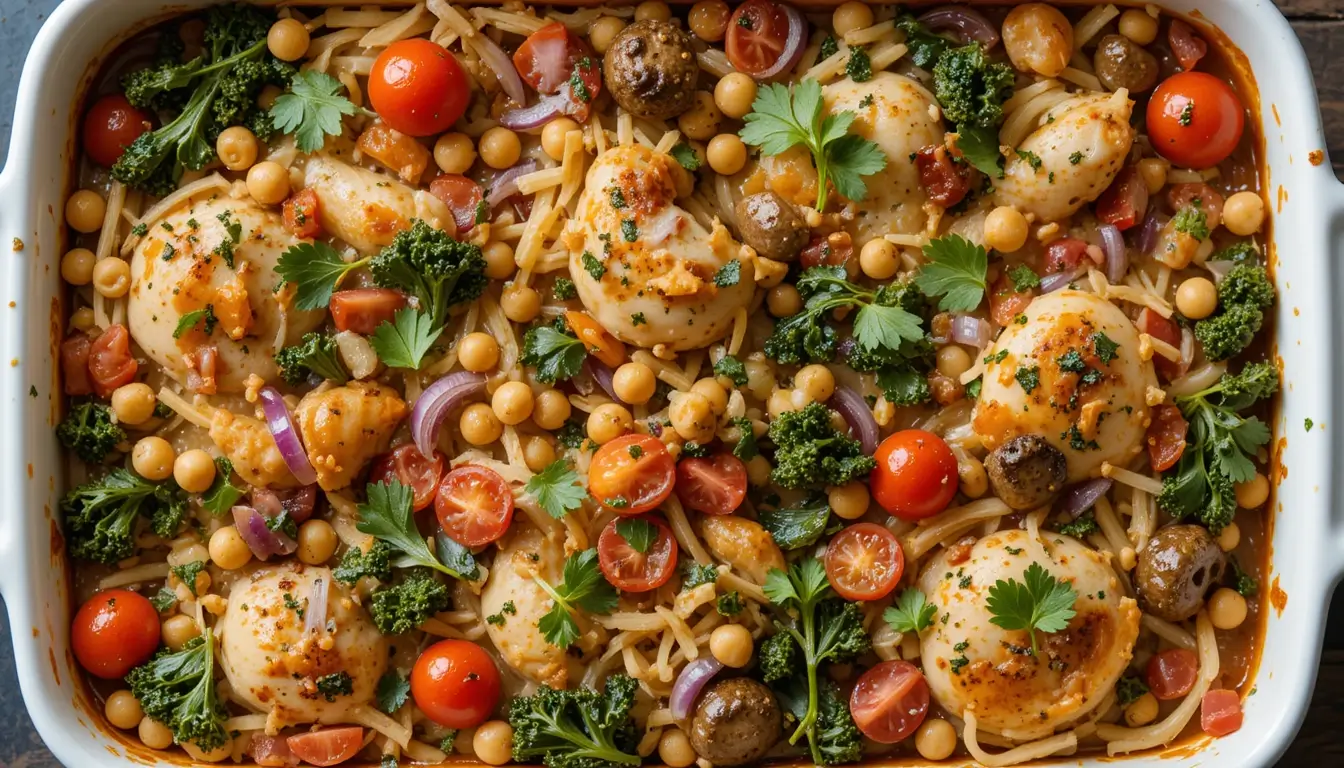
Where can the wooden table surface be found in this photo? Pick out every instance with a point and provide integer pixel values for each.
(1320, 25)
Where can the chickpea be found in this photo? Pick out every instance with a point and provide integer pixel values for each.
(731, 645)
(701, 121)
(849, 501)
(1141, 711)
(784, 300)
(228, 550)
(1244, 213)
(674, 748)
(237, 146)
(551, 410)
(521, 303)
(1230, 537)
(971, 477)
(758, 471)
(538, 453)
(953, 361)
(82, 319)
(317, 542)
(878, 258)
(288, 40)
(134, 404)
(178, 629)
(1253, 493)
(112, 277)
(1138, 26)
(1227, 609)
(604, 31)
(268, 183)
(850, 17)
(153, 458)
(84, 211)
(608, 422)
(1005, 229)
(692, 416)
(123, 710)
(454, 153)
(936, 739)
(634, 383)
(154, 734)
(1197, 298)
(479, 425)
(553, 137)
(1038, 38)
(194, 470)
(1153, 171)
(77, 266)
(711, 390)
(500, 148)
(709, 20)
(727, 154)
(215, 755)
(734, 94)
(499, 263)
(478, 352)
(266, 99)
(652, 10)
(815, 381)
(512, 402)
(493, 742)
(780, 401)
(760, 378)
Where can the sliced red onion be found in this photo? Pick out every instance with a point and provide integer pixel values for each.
(505, 184)
(545, 110)
(858, 415)
(971, 331)
(498, 62)
(1054, 282)
(971, 24)
(1219, 269)
(1080, 497)
(793, 44)
(1152, 225)
(602, 374)
(691, 682)
(286, 436)
(1117, 258)
(435, 403)
(264, 542)
(315, 614)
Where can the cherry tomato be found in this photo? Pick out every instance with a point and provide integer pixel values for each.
(758, 32)
(890, 701)
(1164, 329)
(417, 87)
(362, 310)
(549, 59)
(945, 182)
(829, 250)
(111, 125)
(712, 486)
(302, 211)
(329, 746)
(1125, 202)
(1166, 437)
(110, 362)
(1188, 47)
(474, 505)
(462, 196)
(864, 562)
(632, 474)
(1195, 120)
(630, 570)
(114, 632)
(1220, 712)
(1172, 673)
(407, 465)
(1201, 196)
(75, 364)
(916, 474)
(1006, 302)
(601, 344)
(455, 684)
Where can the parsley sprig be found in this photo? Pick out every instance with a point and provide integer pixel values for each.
(911, 613)
(556, 488)
(582, 587)
(312, 109)
(878, 324)
(387, 516)
(404, 342)
(314, 269)
(957, 271)
(1039, 603)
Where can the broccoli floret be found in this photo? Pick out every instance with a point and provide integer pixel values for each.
(810, 452)
(1228, 333)
(337, 684)
(315, 354)
(1246, 285)
(178, 689)
(803, 338)
(1242, 252)
(402, 607)
(1084, 525)
(430, 265)
(89, 432)
(1129, 689)
(698, 575)
(578, 727)
(778, 657)
(100, 515)
(970, 88)
(838, 738)
(356, 564)
(925, 47)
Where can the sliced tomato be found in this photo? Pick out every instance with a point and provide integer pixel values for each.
(1188, 47)
(830, 250)
(1006, 302)
(75, 364)
(455, 683)
(114, 632)
(890, 701)
(758, 33)
(1164, 329)
(1220, 712)
(1200, 196)
(626, 567)
(417, 87)
(632, 474)
(601, 344)
(1171, 673)
(462, 196)
(110, 127)
(715, 485)
(945, 182)
(362, 310)
(552, 60)
(301, 213)
(916, 475)
(1195, 120)
(1125, 202)
(329, 746)
(110, 362)
(474, 505)
(1166, 437)
(864, 562)
(408, 466)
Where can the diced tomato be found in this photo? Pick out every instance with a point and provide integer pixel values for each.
(830, 250)
(916, 475)
(600, 344)
(114, 632)
(1064, 254)
(329, 746)
(552, 59)
(864, 562)
(1125, 201)
(1166, 437)
(1188, 47)
(1005, 302)
(301, 212)
(474, 505)
(202, 369)
(632, 474)
(1220, 712)
(890, 701)
(1200, 196)
(395, 151)
(627, 567)
(758, 34)
(715, 485)
(462, 196)
(408, 466)
(362, 310)
(945, 182)
(75, 364)
(1163, 329)
(271, 751)
(1171, 674)
(111, 125)
(110, 361)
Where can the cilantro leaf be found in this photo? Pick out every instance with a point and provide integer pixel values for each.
(392, 692)
(956, 271)
(556, 488)
(1039, 603)
(404, 342)
(911, 613)
(638, 533)
(387, 516)
(314, 269)
(312, 110)
(582, 586)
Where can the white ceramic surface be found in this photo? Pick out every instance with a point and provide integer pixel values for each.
(1308, 542)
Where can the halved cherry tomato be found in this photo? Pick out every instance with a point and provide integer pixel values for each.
(864, 562)
(712, 486)
(114, 632)
(301, 212)
(1195, 120)
(362, 310)
(110, 362)
(418, 87)
(758, 32)
(890, 701)
(110, 127)
(550, 58)
(1006, 302)
(461, 195)
(630, 570)
(1124, 202)
(455, 684)
(632, 474)
(1171, 674)
(1220, 712)
(945, 182)
(600, 344)
(1166, 437)
(474, 505)
(916, 474)
(329, 746)
(1163, 329)
(408, 466)
(1201, 196)
(75, 364)
(1188, 47)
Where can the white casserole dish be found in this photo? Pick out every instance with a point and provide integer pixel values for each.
(1308, 540)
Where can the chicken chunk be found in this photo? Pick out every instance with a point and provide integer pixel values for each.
(249, 445)
(344, 427)
(743, 544)
(367, 209)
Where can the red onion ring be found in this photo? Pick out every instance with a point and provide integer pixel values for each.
(858, 415)
(971, 331)
(1117, 258)
(1079, 497)
(793, 44)
(264, 542)
(545, 110)
(602, 374)
(690, 683)
(1053, 282)
(505, 184)
(1152, 225)
(497, 61)
(969, 22)
(286, 436)
(315, 615)
(435, 403)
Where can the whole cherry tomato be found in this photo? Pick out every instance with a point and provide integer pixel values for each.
(110, 126)
(916, 475)
(455, 684)
(114, 632)
(1195, 120)
(408, 466)
(418, 87)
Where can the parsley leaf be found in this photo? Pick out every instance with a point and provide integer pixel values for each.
(1105, 347)
(980, 148)
(685, 156)
(556, 356)
(911, 613)
(387, 516)
(164, 599)
(190, 320)
(556, 488)
(222, 494)
(638, 533)
(315, 269)
(592, 266)
(404, 342)
(732, 368)
(745, 449)
(312, 110)
(956, 271)
(392, 692)
(1031, 158)
(582, 587)
(1024, 278)
(1040, 603)
(729, 274)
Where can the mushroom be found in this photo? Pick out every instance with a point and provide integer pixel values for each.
(1176, 570)
(651, 70)
(736, 722)
(1026, 471)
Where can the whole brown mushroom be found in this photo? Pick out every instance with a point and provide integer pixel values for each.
(736, 722)
(1121, 63)
(772, 226)
(651, 71)
(1026, 472)
(1176, 569)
